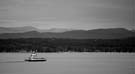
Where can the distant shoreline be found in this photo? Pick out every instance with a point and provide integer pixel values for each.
(67, 45)
(69, 52)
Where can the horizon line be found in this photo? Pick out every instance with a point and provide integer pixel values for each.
(67, 28)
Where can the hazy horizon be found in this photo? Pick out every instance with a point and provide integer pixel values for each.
(60, 28)
(69, 14)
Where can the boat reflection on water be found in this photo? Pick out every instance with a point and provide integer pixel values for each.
(33, 58)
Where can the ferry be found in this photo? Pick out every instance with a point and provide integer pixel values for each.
(33, 58)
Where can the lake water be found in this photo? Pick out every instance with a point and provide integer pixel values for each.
(69, 63)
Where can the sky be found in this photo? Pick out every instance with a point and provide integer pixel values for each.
(71, 14)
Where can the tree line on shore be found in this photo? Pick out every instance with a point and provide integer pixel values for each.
(67, 45)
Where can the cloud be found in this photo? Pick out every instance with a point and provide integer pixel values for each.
(70, 13)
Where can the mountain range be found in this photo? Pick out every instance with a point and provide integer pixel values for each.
(30, 28)
(32, 32)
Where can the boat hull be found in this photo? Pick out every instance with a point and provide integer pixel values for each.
(36, 60)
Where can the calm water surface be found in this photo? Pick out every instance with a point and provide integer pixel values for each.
(69, 63)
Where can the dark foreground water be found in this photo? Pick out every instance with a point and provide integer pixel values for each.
(69, 63)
